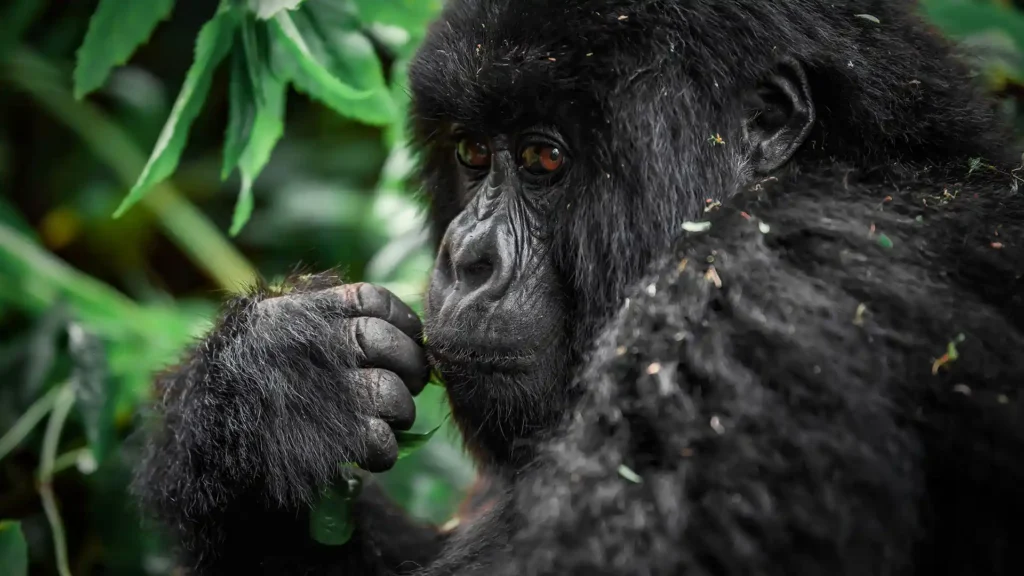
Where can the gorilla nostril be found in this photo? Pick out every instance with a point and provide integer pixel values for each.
(476, 273)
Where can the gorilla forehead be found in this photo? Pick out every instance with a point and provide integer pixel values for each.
(500, 64)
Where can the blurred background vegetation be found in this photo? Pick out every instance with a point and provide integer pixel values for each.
(230, 138)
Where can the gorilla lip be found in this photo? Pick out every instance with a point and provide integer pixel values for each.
(494, 360)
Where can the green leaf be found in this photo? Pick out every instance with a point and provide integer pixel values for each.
(13, 549)
(241, 113)
(267, 129)
(116, 30)
(267, 9)
(412, 15)
(331, 67)
(409, 442)
(212, 46)
(330, 520)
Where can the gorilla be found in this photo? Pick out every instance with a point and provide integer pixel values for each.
(723, 287)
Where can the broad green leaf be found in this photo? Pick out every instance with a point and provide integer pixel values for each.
(267, 9)
(330, 520)
(311, 68)
(212, 46)
(409, 442)
(334, 35)
(116, 30)
(13, 549)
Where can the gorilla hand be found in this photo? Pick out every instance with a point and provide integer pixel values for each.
(284, 389)
(360, 342)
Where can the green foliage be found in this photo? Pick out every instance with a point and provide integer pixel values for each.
(91, 307)
(212, 46)
(116, 30)
(13, 549)
(317, 46)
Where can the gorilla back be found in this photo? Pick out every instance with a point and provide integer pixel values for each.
(726, 287)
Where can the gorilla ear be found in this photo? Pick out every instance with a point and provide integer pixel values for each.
(782, 115)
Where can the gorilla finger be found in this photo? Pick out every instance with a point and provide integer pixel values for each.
(364, 299)
(385, 346)
(392, 399)
(381, 447)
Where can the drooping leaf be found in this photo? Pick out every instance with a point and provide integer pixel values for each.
(410, 442)
(13, 549)
(267, 128)
(116, 30)
(335, 36)
(330, 519)
(267, 9)
(311, 63)
(212, 46)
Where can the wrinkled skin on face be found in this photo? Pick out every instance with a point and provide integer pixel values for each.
(495, 317)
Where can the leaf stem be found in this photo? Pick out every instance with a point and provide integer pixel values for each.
(47, 465)
(21, 429)
(189, 228)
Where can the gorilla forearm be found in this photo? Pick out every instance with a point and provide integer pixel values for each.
(763, 451)
(249, 426)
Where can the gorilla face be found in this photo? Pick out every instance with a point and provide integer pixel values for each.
(495, 318)
(556, 172)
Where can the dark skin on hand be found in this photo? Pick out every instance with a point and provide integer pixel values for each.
(756, 394)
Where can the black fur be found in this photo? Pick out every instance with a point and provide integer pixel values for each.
(778, 395)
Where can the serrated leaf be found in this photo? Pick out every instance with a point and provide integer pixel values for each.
(335, 36)
(410, 442)
(13, 549)
(212, 46)
(267, 9)
(255, 45)
(116, 30)
(311, 69)
(267, 129)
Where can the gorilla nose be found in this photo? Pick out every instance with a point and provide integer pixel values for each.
(474, 265)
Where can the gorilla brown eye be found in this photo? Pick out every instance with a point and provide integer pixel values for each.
(542, 159)
(474, 153)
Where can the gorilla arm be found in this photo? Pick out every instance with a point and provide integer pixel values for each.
(261, 414)
(772, 387)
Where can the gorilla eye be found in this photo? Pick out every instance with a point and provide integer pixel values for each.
(473, 153)
(542, 159)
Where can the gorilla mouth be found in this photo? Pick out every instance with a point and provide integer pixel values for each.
(479, 359)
